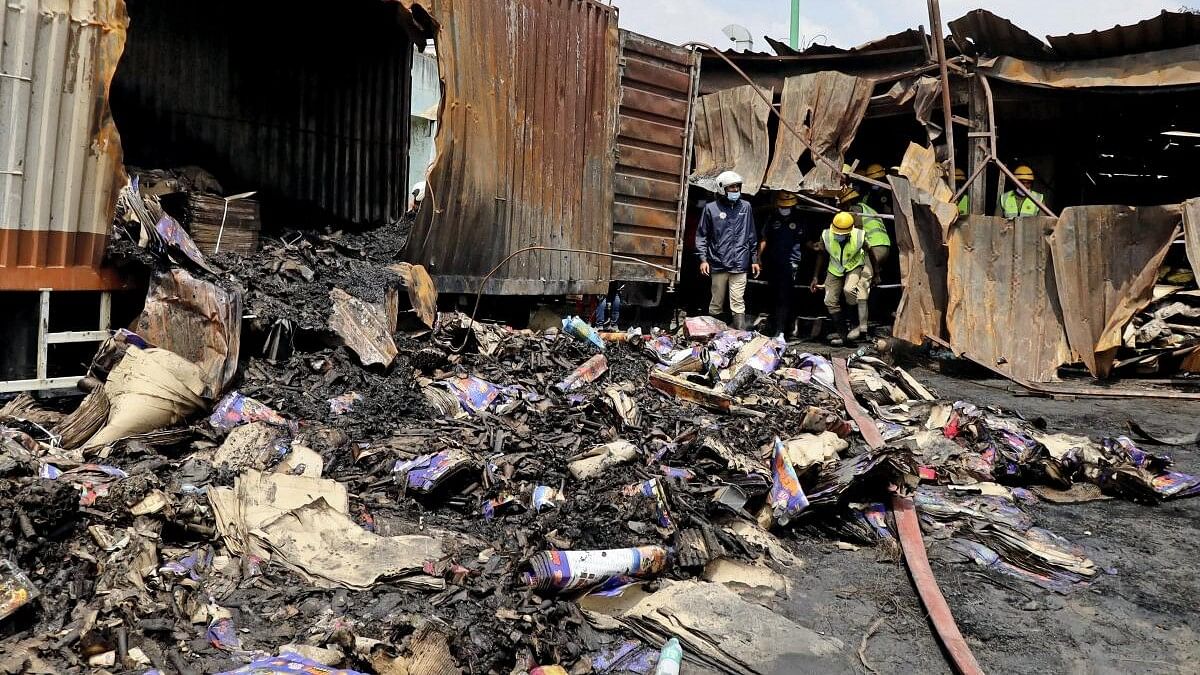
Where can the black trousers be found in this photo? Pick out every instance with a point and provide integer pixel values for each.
(783, 300)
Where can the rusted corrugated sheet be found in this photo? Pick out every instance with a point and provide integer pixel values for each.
(923, 261)
(982, 33)
(826, 108)
(731, 135)
(60, 154)
(1003, 301)
(525, 145)
(920, 166)
(1106, 260)
(1170, 68)
(653, 152)
(306, 105)
(1168, 30)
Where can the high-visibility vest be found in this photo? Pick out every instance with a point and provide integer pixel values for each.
(848, 257)
(964, 205)
(874, 228)
(1016, 205)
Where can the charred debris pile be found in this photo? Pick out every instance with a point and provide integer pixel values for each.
(293, 460)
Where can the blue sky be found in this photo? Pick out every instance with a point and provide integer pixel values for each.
(847, 23)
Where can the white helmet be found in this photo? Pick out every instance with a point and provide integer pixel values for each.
(728, 178)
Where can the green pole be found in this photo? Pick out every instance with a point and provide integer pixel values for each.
(795, 24)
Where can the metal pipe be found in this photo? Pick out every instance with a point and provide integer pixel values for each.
(967, 183)
(795, 25)
(834, 209)
(935, 20)
(786, 124)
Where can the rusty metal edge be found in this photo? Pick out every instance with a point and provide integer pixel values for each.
(909, 529)
(688, 149)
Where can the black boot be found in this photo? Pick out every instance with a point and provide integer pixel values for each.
(836, 329)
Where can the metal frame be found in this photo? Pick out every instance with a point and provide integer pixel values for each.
(45, 338)
(689, 142)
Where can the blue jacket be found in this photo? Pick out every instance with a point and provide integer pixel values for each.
(727, 239)
(785, 237)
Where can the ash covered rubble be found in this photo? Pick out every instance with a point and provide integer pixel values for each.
(350, 480)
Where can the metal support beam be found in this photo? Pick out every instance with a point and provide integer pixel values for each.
(41, 381)
(70, 337)
(981, 135)
(41, 384)
(43, 330)
(939, 45)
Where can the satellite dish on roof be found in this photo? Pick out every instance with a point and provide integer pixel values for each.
(740, 36)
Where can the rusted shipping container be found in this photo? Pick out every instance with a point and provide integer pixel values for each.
(60, 154)
(525, 145)
(307, 105)
(313, 115)
(654, 145)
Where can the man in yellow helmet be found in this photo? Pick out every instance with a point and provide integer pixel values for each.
(867, 218)
(849, 263)
(1014, 203)
(964, 204)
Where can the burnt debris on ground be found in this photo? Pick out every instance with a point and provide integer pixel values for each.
(334, 481)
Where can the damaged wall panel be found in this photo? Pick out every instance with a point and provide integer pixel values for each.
(826, 108)
(305, 103)
(923, 261)
(1003, 302)
(731, 135)
(1106, 260)
(525, 146)
(1191, 232)
(60, 154)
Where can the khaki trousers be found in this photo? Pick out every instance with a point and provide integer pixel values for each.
(856, 286)
(733, 285)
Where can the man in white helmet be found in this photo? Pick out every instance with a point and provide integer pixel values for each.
(727, 243)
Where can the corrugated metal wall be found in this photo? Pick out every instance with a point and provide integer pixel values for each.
(305, 101)
(525, 145)
(658, 81)
(60, 155)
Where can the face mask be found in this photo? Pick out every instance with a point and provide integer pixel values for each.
(785, 211)
(733, 196)
(842, 238)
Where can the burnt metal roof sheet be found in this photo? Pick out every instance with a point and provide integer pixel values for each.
(981, 32)
(1168, 30)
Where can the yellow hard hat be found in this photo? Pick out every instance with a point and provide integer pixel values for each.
(785, 199)
(875, 172)
(843, 223)
(1023, 173)
(849, 194)
(959, 175)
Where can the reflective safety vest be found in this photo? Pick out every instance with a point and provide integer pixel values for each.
(848, 257)
(1016, 205)
(964, 205)
(874, 228)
